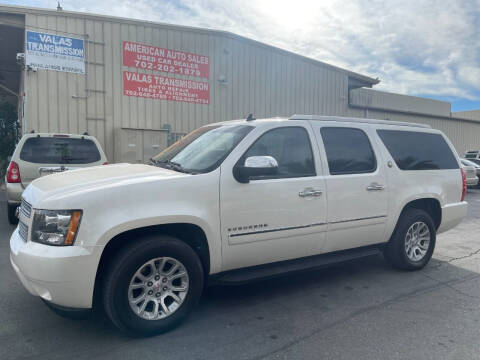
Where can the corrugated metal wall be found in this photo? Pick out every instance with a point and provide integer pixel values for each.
(471, 114)
(388, 101)
(260, 79)
(464, 134)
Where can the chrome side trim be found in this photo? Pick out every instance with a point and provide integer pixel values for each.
(306, 226)
(279, 229)
(359, 219)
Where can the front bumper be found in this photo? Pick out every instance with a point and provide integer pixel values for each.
(62, 275)
(452, 215)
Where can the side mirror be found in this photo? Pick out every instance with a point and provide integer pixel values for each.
(255, 166)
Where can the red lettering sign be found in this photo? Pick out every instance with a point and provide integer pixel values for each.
(165, 88)
(148, 57)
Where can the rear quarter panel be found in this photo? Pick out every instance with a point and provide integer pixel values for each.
(405, 186)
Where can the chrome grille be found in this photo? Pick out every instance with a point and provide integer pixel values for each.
(26, 208)
(23, 230)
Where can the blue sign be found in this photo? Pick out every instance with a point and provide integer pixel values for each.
(55, 52)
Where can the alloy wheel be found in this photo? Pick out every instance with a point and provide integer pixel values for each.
(417, 241)
(158, 288)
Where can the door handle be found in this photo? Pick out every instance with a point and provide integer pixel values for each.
(310, 192)
(375, 187)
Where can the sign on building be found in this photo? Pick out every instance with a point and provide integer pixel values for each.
(55, 52)
(165, 88)
(147, 57)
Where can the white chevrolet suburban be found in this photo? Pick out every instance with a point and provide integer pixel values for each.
(233, 202)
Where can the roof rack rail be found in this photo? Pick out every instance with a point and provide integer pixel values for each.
(359, 120)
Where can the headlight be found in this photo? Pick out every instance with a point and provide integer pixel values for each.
(55, 227)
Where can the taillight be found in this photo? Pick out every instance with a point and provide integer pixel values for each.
(105, 163)
(464, 184)
(13, 173)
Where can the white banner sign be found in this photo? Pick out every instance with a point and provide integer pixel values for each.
(55, 52)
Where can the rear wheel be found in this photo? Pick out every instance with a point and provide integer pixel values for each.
(12, 216)
(152, 285)
(412, 242)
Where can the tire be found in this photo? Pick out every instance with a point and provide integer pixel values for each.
(125, 269)
(396, 250)
(12, 217)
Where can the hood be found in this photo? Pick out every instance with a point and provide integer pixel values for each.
(57, 186)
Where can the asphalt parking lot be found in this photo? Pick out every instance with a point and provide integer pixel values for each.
(359, 310)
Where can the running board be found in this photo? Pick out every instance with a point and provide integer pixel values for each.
(267, 271)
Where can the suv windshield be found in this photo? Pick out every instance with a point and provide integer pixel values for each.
(54, 150)
(203, 149)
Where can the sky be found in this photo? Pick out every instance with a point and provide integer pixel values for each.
(428, 48)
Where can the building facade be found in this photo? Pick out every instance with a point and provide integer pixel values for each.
(137, 86)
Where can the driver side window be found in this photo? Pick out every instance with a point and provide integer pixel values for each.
(290, 146)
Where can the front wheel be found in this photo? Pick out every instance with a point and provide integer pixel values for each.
(412, 242)
(152, 285)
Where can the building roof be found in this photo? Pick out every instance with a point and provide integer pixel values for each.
(361, 80)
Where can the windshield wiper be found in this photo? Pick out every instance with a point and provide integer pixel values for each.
(168, 164)
(161, 163)
(177, 167)
(155, 162)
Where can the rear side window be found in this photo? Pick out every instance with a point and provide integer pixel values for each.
(348, 151)
(51, 150)
(413, 150)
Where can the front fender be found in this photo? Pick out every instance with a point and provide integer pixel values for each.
(193, 200)
(211, 235)
(153, 221)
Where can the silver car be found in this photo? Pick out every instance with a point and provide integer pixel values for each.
(40, 154)
(470, 172)
(476, 166)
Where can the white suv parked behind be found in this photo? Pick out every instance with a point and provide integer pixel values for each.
(233, 202)
(40, 154)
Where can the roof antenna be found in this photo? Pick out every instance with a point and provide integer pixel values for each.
(59, 7)
(250, 117)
